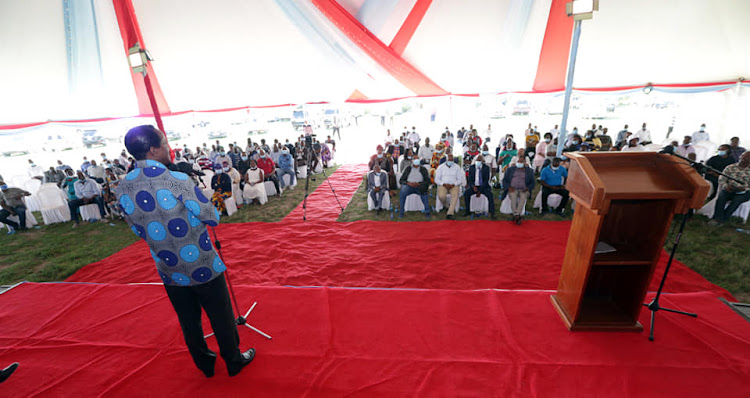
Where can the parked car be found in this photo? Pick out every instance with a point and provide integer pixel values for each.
(173, 135)
(216, 134)
(522, 108)
(91, 139)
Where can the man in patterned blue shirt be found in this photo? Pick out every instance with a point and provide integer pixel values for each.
(170, 213)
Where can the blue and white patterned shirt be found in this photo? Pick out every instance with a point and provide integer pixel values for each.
(168, 211)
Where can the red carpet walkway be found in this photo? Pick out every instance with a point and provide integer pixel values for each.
(321, 204)
(124, 340)
(459, 255)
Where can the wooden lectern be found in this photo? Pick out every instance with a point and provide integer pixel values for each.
(627, 200)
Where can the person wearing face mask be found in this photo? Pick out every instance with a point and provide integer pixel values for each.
(269, 170)
(478, 183)
(735, 193)
(532, 140)
(286, 167)
(406, 160)
(254, 190)
(575, 143)
(686, 147)
(719, 162)
(221, 157)
(221, 183)
(519, 181)
(426, 150)
(87, 192)
(489, 160)
(541, 152)
(414, 179)
(396, 150)
(35, 171)
(506, 155)
(553, 179)
(591, 141)
(232, 173)
(377, 186)
(633, 145)
(437, 158)
(449, 179)
(644, 135)
(11, 204)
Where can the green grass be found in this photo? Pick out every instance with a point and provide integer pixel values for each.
(54, 252)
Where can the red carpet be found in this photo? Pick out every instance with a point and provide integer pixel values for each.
(321, 203)
(459, 255)
(123, 340)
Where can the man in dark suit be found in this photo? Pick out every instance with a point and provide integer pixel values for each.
(479, 184)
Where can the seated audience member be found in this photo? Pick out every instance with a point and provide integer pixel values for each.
(286, 167)
(426, 150)
(87, 191)
(470, 154)
(519, 181)
(506, 155)
(53, 176)
(532, 140)
(396, 150)
(553, 179)
(109, 193)
(85, 165)
(686, 147)
(701, 134)
(244, 165)
(35, 171)
(478, 183)
(221, 183)
(591, 142)
(541, 152)
(575, 143)
(119, 169)
(11, 204)
(735, 149)
(96, 172)
(414, 179)
(734, 192)
(719, 162)
(316, 157)
(438, 157)
(269, 170)
(644, 135)
(605, 140)
(386, 164)
(449, 179)
(275, 152)
(221, 157)
(325, 155)
(62, 166)
(68, 184)
(489, 160)
(232, 173)
(377, 185)
(405, 162)
(332, 143)
(633, 145)
(254, 189)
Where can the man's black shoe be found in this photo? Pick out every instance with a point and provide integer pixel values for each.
(5, 373)
(210, 372)
(247, 357)
(449, 217)
(492, 216)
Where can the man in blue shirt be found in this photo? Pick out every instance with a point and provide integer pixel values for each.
(170, 213)
(286, 166)
(553, 179)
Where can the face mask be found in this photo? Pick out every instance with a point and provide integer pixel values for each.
(104, 157)
(253, 167)
(485, 153)
(3, 187)
(244, 158)
(449, 163)
(219, 171)
(262, 156)
(416, 162)
(33, 165)
(547, 140)
(703, 129)
(441, 151)
(285, 152)
(722, 153)
(408, 157)
(191, 161)
(478, 162)
(520, 165)
(554, 167)
(380, 156)
(226, 169)
(576, 142)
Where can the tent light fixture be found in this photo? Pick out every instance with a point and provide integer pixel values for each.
(647, 90)
(581, 9)
(138, 58)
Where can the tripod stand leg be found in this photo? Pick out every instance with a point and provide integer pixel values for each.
(653, 317)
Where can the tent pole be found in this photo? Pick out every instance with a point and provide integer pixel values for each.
(152, 99)
(568, 88)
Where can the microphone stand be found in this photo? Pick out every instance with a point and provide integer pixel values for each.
(654, 306)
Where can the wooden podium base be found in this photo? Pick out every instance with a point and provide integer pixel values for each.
(599, 319)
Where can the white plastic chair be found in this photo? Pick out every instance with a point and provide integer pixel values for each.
(479, 205)
(90, 211)
(505, 206)
(286, 179)
(30, 219)
(271, 189)
(231, 205)
(259, 193)
(237, 195)
(54, 206)
(301, 172)
(413, 203)
(742, 212)
(704, 150)
(553, 200)
(384, 204)
(206, 179)
(439, 204)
